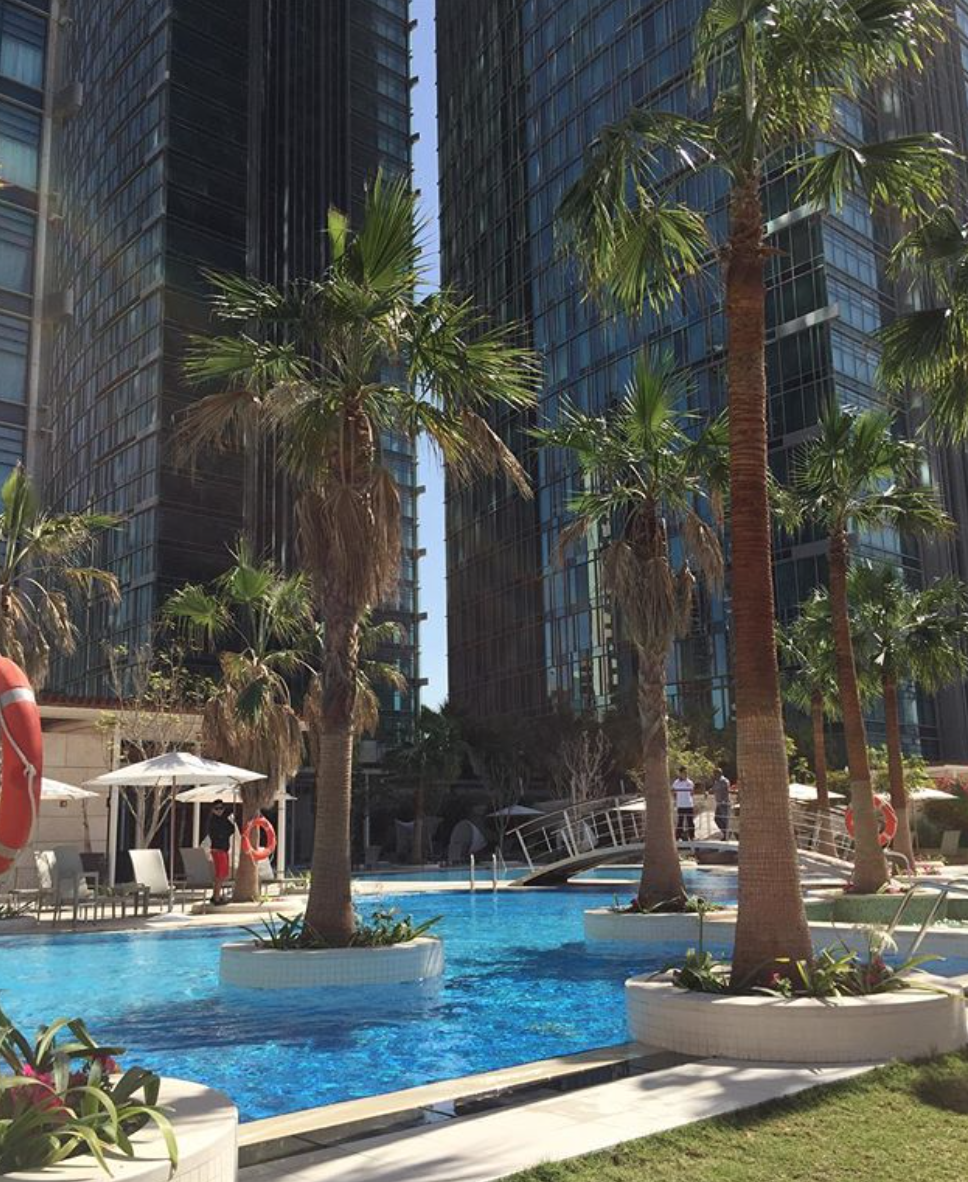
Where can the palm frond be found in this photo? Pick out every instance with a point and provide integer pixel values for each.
(907, 173)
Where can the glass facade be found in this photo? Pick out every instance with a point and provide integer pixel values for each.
(206, 135)
(24, 121)
(585, 62)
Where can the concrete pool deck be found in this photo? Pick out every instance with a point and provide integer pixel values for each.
(557, 1126)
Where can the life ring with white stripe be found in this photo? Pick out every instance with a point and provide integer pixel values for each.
(888, 829)
(22, 745)
(256, 852)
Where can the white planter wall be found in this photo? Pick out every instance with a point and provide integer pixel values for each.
(206, 1128)
(629, 927)
(906, 1025)
(250, 967)
(720, 930)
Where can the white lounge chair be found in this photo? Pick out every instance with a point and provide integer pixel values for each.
(74, 886)
(199, 878)
(151, 876)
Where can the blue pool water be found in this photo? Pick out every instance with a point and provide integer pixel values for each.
(520, 985)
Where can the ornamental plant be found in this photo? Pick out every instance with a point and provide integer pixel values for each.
(64, 1096)
(382, 930)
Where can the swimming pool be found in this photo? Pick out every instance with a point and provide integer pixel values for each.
(520, 985)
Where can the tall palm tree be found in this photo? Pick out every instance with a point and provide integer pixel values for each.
(773, 76)
(927, 348)
(327, 367)
(259, 621)
(912, 636)
(433, 756)
(855, 475)
(41, 571)
(807, 646)
(648, 472)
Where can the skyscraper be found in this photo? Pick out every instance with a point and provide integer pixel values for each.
(26, 102)
(197, 135)
(525, 86)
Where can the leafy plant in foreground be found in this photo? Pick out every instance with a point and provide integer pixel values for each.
(66, 1096)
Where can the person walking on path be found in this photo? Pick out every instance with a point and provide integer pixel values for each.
(221, 830)
(720, 788)
(683, 789)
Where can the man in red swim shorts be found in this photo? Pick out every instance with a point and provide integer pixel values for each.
(221, 830)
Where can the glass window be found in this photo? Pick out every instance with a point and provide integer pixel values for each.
(14, 338)
(22, 38)
(17, 228)
(19, 146)
(11, 449)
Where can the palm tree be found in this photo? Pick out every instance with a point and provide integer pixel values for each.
(260, 621)
(774, 77)
(647, 470)
(41, 572)
(911, 635)
(927, 349)
(807, 646)
(854, 476)
(433, 756)
(326, 367)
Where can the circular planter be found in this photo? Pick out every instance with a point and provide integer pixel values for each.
(908, 1025)
(206, 1129)
(601, 923)
(251, 967)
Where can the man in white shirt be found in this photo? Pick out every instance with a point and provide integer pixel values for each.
(683, 790)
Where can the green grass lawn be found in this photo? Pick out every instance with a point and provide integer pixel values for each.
(905, 1123)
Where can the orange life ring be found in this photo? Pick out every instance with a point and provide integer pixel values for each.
(888, 829)
(22, 745)
(259, 853)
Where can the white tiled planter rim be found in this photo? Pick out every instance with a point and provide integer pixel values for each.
(250, 967)
(907, 1025)
(601, 923)
(206, 1127)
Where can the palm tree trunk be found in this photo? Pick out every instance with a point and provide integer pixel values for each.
(895, 771)
(329, 909)
(661, 880)
(825, 838)
(771, 922)
(419, 809)
(870, 867)
(246, 888)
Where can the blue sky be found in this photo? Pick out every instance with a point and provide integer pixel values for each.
(433, 568)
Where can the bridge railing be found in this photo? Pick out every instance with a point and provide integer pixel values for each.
(619, 821)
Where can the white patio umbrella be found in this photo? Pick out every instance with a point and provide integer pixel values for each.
(807, 793)
(58, 790)
(919, 794)
(209, 793)
(171, 771)
(517, 810)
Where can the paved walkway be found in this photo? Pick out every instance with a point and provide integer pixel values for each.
(491, 1146)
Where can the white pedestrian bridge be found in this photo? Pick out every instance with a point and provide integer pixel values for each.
(558, 845)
